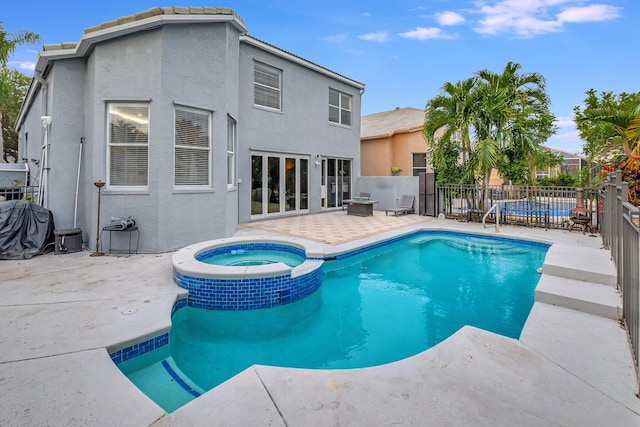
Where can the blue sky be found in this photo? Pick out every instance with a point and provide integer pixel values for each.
(405, 50)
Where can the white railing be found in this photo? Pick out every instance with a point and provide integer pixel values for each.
(495, 208)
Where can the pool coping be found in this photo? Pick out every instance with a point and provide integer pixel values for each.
(186, 263)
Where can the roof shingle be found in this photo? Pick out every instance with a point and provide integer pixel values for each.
(389, 122)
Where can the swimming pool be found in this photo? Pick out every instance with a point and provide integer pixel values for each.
(377, 306)
(551, 208)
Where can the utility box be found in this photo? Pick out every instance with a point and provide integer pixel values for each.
(13, 179)
(68, 241)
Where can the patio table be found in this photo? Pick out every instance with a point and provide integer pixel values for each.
(359, 207)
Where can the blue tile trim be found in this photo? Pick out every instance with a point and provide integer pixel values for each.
(182, 302)
(140, 348)
(179, 380)
(435, 232)
(376, 245)
(145, 346)
(248, 293)
(487, 237)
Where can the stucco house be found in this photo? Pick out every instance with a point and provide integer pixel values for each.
(393, 138)
(571, 164)
(194, 126)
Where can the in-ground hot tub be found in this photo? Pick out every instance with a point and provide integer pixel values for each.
(247, 273)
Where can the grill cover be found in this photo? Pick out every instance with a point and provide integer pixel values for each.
(26, 230)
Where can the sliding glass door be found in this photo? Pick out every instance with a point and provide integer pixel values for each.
(279, 183)
(336, 182)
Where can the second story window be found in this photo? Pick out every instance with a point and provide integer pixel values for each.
(267, 86)
(340, 107)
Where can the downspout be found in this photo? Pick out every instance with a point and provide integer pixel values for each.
(46, 121)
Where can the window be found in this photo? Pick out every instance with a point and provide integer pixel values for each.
(128, 143)
(339, 107)
(231, 150)
(192, 147)
(419, 163)
(267, 86)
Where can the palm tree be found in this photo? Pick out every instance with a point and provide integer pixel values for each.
(9, 83)
(494, 113)
(627, 125)
(451, 112)
(516, 116)
(632, 134)
(9, 42)
(499, 111)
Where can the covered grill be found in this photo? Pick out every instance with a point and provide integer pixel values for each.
(580, 215)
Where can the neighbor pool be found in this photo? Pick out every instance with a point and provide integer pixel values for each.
(378, 306)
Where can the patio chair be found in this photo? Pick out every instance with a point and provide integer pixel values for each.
(406, 206)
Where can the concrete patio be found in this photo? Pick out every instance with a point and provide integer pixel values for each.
(572, 365)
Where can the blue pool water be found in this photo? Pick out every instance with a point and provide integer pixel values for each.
(380, 306)
(526, 208)
(248, 257)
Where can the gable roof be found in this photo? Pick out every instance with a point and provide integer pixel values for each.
(388, 123)
(566, 154)
(173, 10)
(154, 18)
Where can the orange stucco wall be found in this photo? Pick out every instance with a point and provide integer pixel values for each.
(377, 156)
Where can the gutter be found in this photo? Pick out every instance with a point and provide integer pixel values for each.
(245, 38)
(36, 82)
(45, 91)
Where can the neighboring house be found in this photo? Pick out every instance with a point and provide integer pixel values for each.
(571, 164)
(393, 138)
(194, 125)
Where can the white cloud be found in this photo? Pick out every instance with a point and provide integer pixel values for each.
(565, 122)
(22, 65)
(422, 33)
(591, 13)
(449, 18)
(336, 38)
(378, 36)
(566, 140)
(528, 18)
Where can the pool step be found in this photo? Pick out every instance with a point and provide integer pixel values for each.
(582, 279)
(580, 263)
(592, 298)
